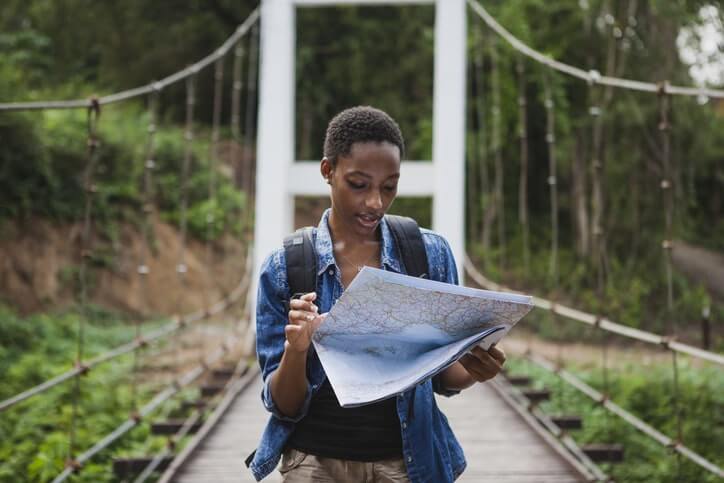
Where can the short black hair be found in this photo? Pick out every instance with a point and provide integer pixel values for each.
(358, 125)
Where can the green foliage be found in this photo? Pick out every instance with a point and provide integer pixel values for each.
(646, 392)
(381, 56)
(34, 434)
(419, 209)
(359, 55)
(42, 166)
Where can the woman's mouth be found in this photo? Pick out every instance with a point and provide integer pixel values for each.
(368, 221)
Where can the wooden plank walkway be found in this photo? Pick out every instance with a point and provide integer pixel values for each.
(498, 444)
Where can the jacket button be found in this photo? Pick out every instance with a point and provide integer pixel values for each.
(331, 271)
(404, 425)
(409, 459)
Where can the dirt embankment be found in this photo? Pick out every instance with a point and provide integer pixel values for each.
(40, 261)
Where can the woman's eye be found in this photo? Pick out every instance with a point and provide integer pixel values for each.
(391, 188)
(357, 186)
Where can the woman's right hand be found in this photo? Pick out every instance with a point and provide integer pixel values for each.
(304, 319)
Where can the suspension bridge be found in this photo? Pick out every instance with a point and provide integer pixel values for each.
(216, 430)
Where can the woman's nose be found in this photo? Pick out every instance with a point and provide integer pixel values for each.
(374, 200)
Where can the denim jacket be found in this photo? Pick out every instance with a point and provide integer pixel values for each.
(430, 450)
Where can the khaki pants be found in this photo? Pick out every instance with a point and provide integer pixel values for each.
(299, 467)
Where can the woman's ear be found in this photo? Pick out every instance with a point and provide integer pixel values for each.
(326, 168)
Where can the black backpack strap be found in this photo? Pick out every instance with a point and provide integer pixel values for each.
(301, 259)
(409, 241)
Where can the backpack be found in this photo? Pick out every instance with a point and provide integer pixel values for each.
(301, 257)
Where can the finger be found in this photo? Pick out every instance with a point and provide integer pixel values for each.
(482, 361)
(309, 296)
(292, 331)
(300, 317)
(318, 321)
(480, 353)
(492, 353)
(497, 353)
(476, 369)
(300, 304)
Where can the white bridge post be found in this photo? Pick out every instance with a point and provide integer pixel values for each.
(443, 177)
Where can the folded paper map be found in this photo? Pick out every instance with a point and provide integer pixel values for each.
(389, 332)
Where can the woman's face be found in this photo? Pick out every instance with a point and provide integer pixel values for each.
(364, 184)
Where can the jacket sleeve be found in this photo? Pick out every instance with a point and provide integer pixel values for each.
(271, 319)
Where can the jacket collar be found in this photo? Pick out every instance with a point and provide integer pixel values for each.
(325, 249)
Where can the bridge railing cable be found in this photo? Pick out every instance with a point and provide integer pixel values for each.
(159, 334)
(160, 398)
(603, 398)
(189, 71)
(81, 367)
(599, 322)
(590, 76)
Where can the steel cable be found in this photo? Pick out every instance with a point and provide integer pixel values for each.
(599, 322)
(190, 71)
(590, 76)
(89, 190)
(629, 418)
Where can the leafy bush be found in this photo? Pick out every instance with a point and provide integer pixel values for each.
(646, 392)
(43, 158)
(34, 434)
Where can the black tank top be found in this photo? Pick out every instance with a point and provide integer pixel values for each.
(365, 433)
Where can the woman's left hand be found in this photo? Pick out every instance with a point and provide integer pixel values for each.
(483, 365)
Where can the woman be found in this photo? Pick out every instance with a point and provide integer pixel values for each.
(404, 438)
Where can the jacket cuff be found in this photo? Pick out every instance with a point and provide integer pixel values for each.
(266, 397)
(438, 387)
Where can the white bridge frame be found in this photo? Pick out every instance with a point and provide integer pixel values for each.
(280, 177)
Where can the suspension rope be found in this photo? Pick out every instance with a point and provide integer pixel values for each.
(498, 152)
(487, 201)
(552, 177)
(181, 267)
(143, 269)
(251, 21)
(667, 244)
(597, 172)
(89, 190)
(591, 75)
(236, 92)
(249, 122)
(553, 187)
(598, 238)
(524, 155)
(215, 136)
(471, 159)
(211, 220)
(234, 119)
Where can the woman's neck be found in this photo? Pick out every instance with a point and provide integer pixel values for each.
(344, 238)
